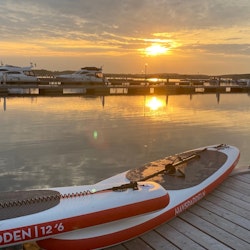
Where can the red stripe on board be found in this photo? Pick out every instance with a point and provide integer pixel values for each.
(124, 235)
(48, 229)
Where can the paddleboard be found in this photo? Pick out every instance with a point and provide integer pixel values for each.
(116, 209)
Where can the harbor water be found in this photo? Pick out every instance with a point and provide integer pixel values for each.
(64, 141)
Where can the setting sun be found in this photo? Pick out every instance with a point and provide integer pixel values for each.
(156, 49)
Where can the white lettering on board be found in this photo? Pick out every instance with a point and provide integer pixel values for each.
(28, 233)
(179, 209)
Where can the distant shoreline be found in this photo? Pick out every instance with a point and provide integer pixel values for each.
(44, 72)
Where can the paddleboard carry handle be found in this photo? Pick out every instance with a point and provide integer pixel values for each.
(221, 146)
(133, 185)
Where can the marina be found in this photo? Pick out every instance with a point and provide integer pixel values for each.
(125, 126)
(22, 81)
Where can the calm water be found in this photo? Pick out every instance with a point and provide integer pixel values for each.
(60, 141)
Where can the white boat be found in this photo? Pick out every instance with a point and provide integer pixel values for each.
(118, 208)
(91, 75)
(15, 74)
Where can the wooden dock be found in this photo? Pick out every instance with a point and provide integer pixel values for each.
(219, 221)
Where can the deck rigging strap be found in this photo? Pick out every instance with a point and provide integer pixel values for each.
(171, 168)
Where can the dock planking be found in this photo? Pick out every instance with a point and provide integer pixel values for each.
(221, 220)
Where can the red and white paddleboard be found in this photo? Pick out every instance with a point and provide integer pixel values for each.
(116, 209)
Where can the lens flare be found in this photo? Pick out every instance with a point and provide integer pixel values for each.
(95, 134)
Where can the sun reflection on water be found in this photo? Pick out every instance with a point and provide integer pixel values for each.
(154, 103)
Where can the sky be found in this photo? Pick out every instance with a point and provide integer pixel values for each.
(128, 36)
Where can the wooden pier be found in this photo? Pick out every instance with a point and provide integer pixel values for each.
(219, 221)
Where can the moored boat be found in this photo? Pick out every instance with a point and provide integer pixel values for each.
(86, 75)
(15, 74)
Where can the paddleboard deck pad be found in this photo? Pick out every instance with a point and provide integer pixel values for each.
(21, 203)
(186, 173)
(116, 209)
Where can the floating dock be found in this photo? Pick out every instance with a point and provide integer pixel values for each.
(54, 89)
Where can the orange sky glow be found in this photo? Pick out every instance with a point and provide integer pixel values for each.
(205, 37)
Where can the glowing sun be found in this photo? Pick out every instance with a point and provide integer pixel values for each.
(156, 49)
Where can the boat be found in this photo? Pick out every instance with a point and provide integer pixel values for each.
(86, 75)
(118, 208)
(8, 67)
(16, 74)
